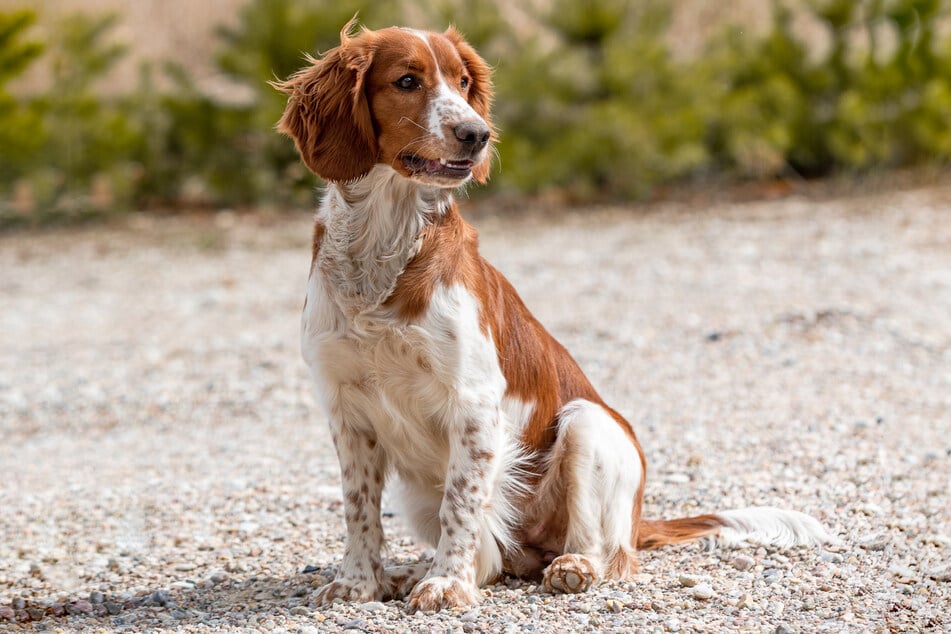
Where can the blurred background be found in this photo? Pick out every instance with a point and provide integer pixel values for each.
(115, 105)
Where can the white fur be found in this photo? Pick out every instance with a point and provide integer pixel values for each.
(412, 387)
(372, 230)
(769, 526)
(447, 106)
(595, 469)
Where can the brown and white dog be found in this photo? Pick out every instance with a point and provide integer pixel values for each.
(434, 374)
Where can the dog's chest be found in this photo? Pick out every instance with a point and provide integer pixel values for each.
(405, 383)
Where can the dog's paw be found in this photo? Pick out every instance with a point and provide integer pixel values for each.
(569, 574)
(437, 593)
(348, 590)
(398, 581)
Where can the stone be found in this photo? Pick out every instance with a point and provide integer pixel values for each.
(79, 607)
(688, 581)
(703, 592)
(159, 598)
(36, 613)
(878, 541)
(743, 562)
(941, 574)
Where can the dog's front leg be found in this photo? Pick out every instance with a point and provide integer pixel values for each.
(362, 468)
(474, 452)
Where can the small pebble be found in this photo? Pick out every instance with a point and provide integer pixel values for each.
(870, 509)
(373, 606)
(309, 569)
(745, 601)
(96, 597)
(771, 575)
(79, 607)
(835, 558)
(688, 581)
(218, 577)
(936, 539)
(703, 592)
(743, 562)
(159, 598)
(941, 574)
(874, 542)
(904, 574)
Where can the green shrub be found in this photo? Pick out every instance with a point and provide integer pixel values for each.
(590, 102)
(605, 112)
(75, 160)
(20, 145)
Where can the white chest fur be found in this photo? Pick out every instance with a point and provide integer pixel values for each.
(403, 383)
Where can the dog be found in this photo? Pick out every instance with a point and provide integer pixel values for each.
(434, 375)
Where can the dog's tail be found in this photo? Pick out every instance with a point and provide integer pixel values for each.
(762, 525)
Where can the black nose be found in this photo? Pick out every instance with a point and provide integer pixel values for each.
(472, 133)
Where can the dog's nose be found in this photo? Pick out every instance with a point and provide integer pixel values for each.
(475, 133)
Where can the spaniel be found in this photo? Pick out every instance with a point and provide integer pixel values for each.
(434, 375)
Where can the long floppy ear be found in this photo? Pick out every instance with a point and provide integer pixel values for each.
(480, 93)
(327, 113)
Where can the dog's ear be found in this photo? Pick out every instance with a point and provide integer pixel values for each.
(327, 113)
(480, 93)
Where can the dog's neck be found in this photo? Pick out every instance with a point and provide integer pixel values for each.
(372, 231)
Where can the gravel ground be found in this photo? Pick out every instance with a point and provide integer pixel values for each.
(164, 467)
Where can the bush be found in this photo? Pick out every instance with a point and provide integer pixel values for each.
(605, 112)
(590, 102)
(17, 122)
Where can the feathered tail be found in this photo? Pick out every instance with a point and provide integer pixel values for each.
(763, 525)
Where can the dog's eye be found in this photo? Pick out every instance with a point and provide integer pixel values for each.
(407, 82)
(464, 83)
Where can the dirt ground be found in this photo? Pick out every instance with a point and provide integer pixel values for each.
(164, 466)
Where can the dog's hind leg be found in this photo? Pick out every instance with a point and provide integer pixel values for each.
(595, 473)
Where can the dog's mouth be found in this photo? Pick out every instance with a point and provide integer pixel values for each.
(457, 169)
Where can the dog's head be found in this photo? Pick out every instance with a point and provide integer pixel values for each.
(414, 100)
